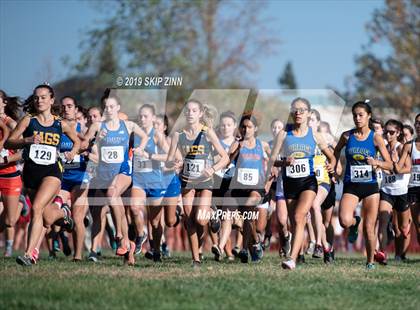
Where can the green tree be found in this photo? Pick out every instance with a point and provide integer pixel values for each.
(287, 79)
(210, 44)
(393, 80)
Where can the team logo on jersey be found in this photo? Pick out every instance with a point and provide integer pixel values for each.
(298, 155)
(48, 138)
(194, 149)
(358, 157)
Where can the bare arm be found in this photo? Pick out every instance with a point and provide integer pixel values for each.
(15, 141)
(224, 158)
(404, 163)
(278, 143)
(386, 164)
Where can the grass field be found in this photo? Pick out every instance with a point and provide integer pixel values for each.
(173, 284)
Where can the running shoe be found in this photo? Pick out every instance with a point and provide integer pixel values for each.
(257, 252)
(52, 256)
(235, 251)
(328, 257)
(166, 253)
(287, 245)
(230, 258)
(380, 257)
(140, 240)
(301, 259)
(93, 257)
(56, 244)
(68, 221)
(318, 251)
(243, 256)
(24, 260)
(201, 256)
(288, 264)
(157, 257)
(311, 248)
(354, 230)
(196, 264)
(218, 255)
(370, 266)
(149, 255)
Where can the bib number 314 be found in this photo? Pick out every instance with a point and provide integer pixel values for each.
(360, 174)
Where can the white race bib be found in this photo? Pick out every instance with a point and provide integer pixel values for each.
(360, 174)
(141, 164)
(247, 176)
(390, 178)
(42, 154)
(73, 164)
(193, 167)
(112, 154)
(415, 175)
(299, 169)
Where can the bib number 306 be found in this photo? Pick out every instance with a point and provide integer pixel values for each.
(299, 169)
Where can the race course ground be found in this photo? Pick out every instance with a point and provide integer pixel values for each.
(173, 284)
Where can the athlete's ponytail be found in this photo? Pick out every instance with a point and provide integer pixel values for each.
(11, 105)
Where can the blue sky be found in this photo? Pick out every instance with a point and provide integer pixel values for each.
(321, 39)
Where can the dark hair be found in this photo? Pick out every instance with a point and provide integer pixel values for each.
(50, 89)
(228, 114)
(165, 122)
(409, 128)
(95, 108)
(29, 105)
(148, 106)
(69, 97)
(249, 117)
(304, 100)
(12, 105)
(107, 95)
(317, 114)
(399, 126)
(363, 105)
(378, 121)
(417, 116)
